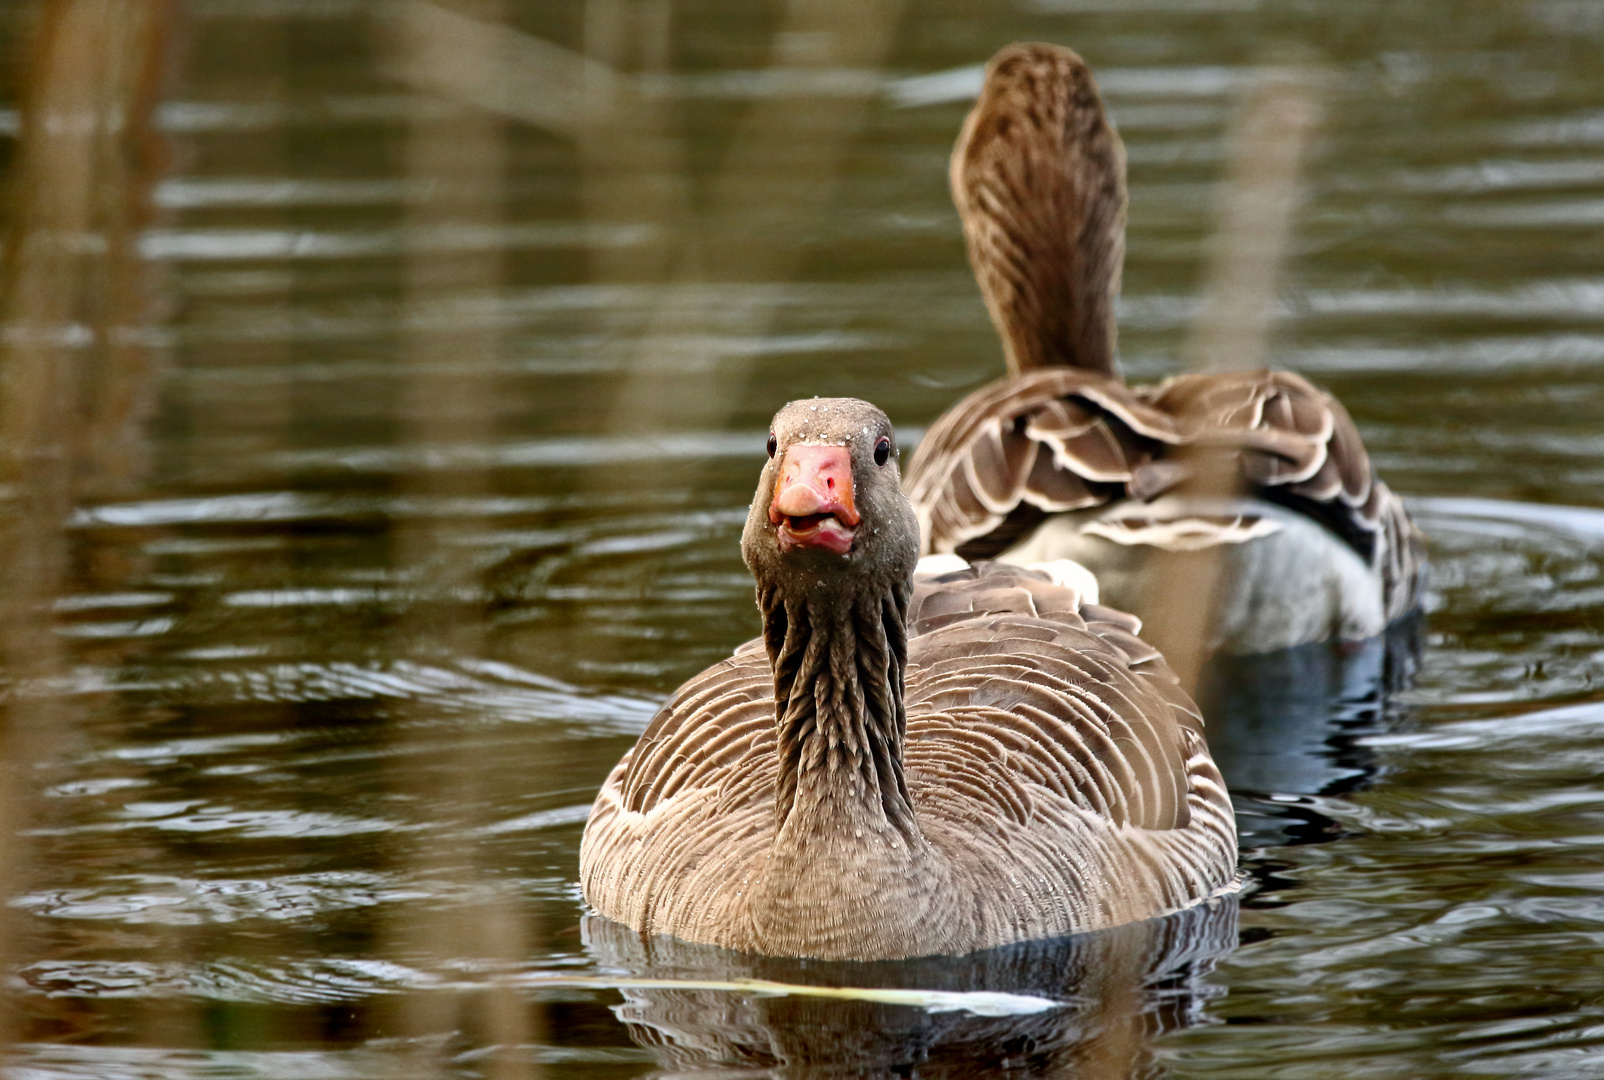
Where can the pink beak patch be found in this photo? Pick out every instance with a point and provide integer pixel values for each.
(812, 505)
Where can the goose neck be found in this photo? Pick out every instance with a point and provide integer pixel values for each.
(838, 687)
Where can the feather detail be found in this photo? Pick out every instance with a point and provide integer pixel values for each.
(1098, 441)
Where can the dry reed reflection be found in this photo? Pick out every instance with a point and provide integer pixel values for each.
(1259, 195)
(1275, 120)
(455, 167)
(75, 366)
(776, 182)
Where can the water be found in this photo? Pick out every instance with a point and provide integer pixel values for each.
(453, 424)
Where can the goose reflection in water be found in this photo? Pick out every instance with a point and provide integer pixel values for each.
(1287, 728)
(1119, 988)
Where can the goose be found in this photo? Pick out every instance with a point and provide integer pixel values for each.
(1062, 459)
(908, 761)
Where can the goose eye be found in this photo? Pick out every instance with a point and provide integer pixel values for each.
(773, 444)
(882, 451)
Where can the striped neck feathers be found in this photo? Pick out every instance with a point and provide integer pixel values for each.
(839, 662)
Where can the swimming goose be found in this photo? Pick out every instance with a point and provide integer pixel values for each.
(906, 763)
(1061, 459)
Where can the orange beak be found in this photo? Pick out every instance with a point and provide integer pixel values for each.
(812, 504)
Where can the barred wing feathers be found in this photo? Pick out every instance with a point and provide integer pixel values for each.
(1061, 439)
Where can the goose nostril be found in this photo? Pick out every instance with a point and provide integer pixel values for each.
(816, 479)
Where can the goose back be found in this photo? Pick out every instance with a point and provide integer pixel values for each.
(993, 468)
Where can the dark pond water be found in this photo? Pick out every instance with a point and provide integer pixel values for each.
(453, 423)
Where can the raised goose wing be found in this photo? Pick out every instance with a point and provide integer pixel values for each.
(1038, 177)
(1026, 446)
(1056, 440)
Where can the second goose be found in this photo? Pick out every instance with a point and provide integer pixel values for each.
(1061, 459)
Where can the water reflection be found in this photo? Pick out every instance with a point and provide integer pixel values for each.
(1118, 990)
(1290, 721)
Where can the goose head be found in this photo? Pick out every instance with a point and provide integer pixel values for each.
(829, 507)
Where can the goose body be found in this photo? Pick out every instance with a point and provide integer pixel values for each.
(1292, 580)
(1061, 459)
(906, 764)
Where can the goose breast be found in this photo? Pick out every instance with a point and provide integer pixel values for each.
(1059, 774)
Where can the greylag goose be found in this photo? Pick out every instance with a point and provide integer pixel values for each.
(1061, 459)
(905, 763)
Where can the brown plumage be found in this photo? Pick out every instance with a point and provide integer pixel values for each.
(1038, 179)
(904, 766)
